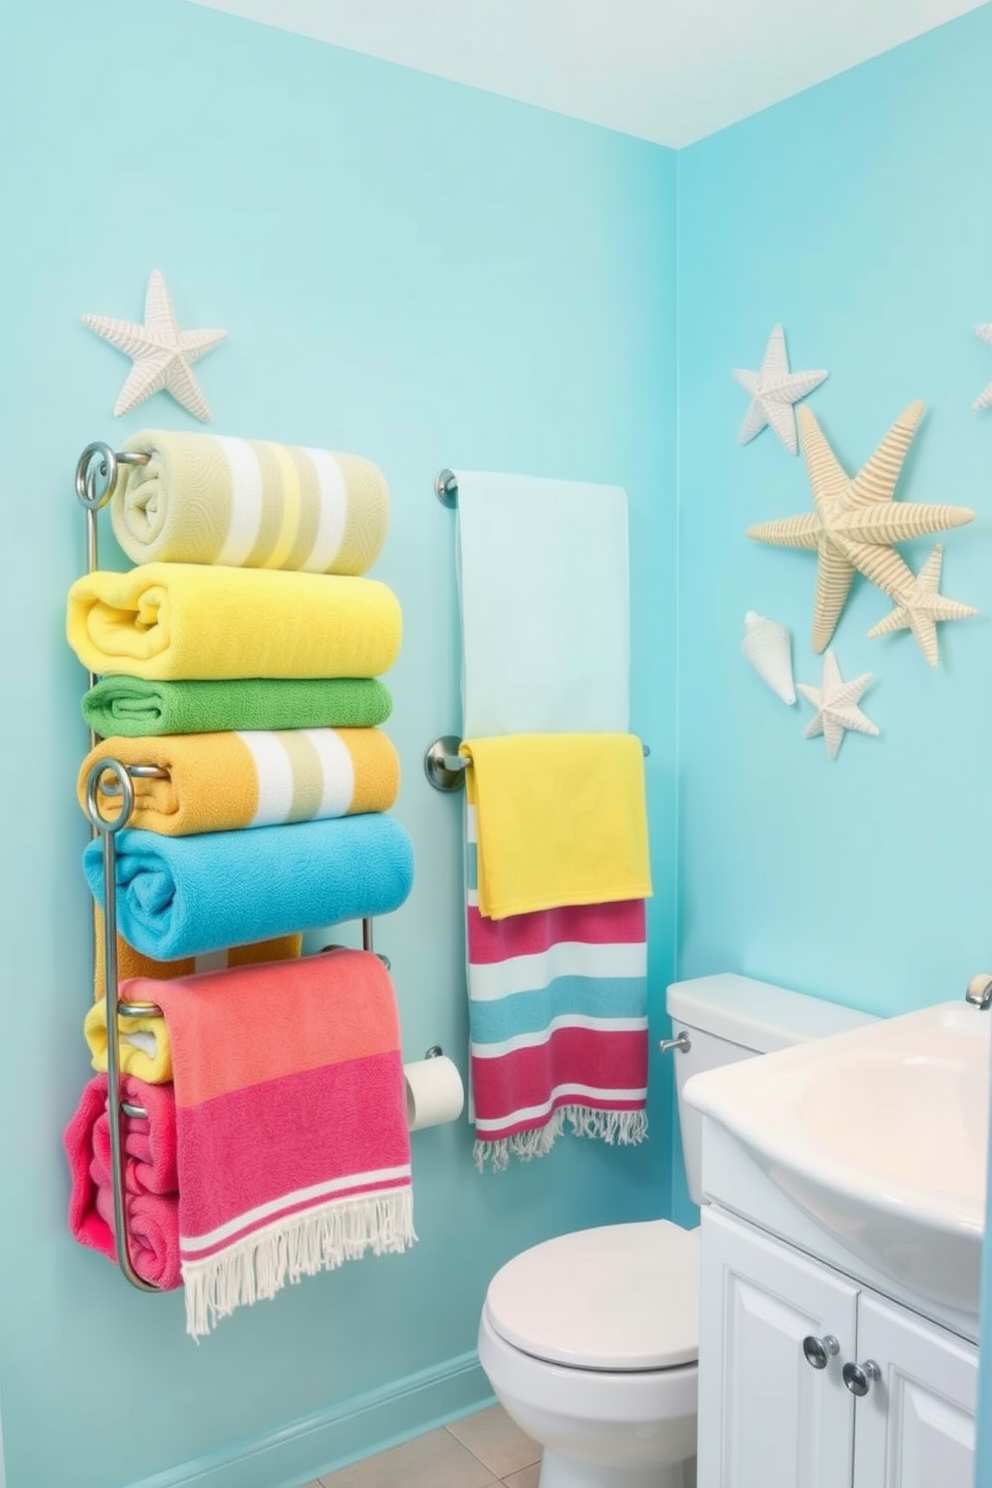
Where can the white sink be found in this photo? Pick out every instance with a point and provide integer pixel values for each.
(880, 1135)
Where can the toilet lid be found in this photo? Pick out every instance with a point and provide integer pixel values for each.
(621, 1297)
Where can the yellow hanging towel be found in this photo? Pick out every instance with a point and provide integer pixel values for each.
(559, 819)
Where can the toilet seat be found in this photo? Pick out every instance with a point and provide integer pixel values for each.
(618, 1298)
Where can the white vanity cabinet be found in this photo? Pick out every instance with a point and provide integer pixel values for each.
(768, 1418)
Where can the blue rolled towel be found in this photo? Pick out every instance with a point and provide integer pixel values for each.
(185, 896)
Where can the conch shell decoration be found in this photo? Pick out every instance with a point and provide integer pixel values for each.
(767, 645)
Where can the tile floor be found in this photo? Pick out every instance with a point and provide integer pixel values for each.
(481, 1451)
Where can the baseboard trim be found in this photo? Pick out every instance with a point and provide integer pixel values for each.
(329, 1439)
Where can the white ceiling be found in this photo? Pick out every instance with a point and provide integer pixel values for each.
(665, 70)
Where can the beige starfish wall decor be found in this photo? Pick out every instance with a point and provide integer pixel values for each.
(920, 605)
(774, 389)
(162, 354)
(835, 704)
(853, 527)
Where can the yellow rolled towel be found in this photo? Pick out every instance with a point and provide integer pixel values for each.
(166, 621)
(145, 1051)
(131, 963)
(223, 782)
(248, 503)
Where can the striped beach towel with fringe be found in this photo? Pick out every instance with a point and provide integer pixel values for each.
(557, 1024)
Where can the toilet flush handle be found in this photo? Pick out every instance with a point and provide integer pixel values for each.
(682, 1043)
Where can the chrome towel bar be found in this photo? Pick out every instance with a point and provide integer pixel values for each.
(445, 767)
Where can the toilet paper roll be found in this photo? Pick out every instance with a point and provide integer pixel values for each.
(434, 1092)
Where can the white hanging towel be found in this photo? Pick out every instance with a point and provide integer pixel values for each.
(543, 579)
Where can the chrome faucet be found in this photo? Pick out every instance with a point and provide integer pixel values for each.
(979, 990)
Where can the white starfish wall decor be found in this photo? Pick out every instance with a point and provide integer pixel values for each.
(773, 391)
(856, 520)
(162, 354)
(984, 400)
(836, 704)
(920, 605)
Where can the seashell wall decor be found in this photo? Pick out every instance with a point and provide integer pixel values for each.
(984, 399)
(767, 645)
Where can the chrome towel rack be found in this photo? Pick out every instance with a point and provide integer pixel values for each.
(97, 473)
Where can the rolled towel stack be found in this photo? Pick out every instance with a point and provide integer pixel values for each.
(242, 657)
(254, 689)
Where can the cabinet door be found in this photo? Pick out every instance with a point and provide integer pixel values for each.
(916, 1426)
(767, 1418)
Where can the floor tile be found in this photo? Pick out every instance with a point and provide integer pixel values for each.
(498, 1443)
(435, 1460)
(526, 1479)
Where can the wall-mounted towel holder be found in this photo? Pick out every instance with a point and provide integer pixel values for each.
(445, 767)
(97, 473)
(446, 488)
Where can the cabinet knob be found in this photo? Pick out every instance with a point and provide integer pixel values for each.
(858, 1377)
(818, 1351)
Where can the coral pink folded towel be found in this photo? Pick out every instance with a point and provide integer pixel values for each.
(293, 1145)
(151, 1179)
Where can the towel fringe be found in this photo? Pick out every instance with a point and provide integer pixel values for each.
(623, 1128)
(318, 1240)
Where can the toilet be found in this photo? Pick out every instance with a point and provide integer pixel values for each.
(590, 1341)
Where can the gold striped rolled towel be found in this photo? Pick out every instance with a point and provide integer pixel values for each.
(131, 963)
(185, 621)
(224, 782)
(249, 503)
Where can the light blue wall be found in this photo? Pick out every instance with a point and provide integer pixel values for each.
(407, 269)
(859, 215)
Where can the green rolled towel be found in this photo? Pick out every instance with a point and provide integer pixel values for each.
(135, 707)
(249, 503)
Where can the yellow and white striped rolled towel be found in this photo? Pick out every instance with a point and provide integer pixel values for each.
(249, 503)
(224, 782)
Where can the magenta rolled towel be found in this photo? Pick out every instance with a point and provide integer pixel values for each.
(151, 1183)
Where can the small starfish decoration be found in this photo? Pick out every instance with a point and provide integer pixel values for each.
(984, 400)
(836, 704)
(919, 607)
(773, 392)
(161, 352)
(856, 520)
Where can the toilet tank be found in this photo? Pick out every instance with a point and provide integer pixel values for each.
(730, 1017)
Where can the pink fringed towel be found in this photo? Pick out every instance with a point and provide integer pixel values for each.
(151, 1199)
(293, 1145)
(285, 1132)
(557, 1023)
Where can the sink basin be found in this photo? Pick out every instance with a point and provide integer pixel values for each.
(880, 1135)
